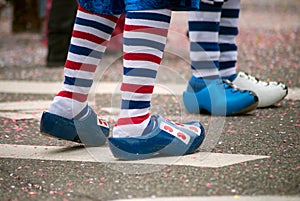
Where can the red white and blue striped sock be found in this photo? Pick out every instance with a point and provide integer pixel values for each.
(227, 35)
(88, 43)
(145, 35)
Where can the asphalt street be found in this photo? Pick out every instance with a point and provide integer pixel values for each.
(248, 157)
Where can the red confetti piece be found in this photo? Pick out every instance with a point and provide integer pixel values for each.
(231, 131)
(69, 184)
(208, 185)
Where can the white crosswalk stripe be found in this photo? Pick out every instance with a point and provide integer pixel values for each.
(103, 154)
(32, 87)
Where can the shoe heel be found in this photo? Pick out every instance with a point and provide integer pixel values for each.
(85, 131)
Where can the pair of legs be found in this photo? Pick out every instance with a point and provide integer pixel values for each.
(143, 51)
(136, 133)
(213, 54)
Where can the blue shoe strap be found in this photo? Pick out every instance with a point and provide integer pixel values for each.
(230, 77)
(151, 125)
(82, 113)
(196, 84)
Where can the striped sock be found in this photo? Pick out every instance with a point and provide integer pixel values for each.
(227, 36)
(204, 47)
(88, 43)
(145, 35)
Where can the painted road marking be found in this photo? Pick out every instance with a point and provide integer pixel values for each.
(23, 109)
(32, 87)
(219, 198)
(103, 154)
(25, 105)
(33, 110)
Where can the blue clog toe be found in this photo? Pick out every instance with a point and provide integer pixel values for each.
(220, 98)
(166, 138)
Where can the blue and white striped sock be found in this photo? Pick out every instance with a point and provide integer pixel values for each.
(90, 35)
(227, 38)
(145, 36)
(204, 48)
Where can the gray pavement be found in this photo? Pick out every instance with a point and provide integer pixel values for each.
(249, 157)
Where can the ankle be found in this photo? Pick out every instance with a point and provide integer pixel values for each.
(149, 127)
(197, 84)
(131, 128)
(68, 109)
(230, 77)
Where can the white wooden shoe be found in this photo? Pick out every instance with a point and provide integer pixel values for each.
(268, 93)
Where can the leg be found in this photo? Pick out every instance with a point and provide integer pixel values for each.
(136, 134)
(89, 39)
(269, 93)
(227, 38)
(143, 51)
(204, 47)
(205, 92)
